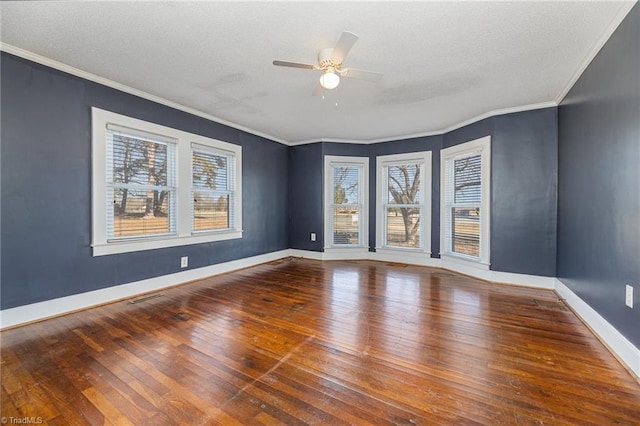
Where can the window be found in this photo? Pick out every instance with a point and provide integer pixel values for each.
(345, 202)
(140, 179)
(213, 189)
(404, 202)
(154, 186)
(465, 201)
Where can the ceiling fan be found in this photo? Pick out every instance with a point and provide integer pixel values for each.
(330, 63)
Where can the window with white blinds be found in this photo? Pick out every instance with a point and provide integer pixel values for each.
(155, 186)
(465, 200)
(346, 210)
(141, 184)
(213, 189)
(404, 201)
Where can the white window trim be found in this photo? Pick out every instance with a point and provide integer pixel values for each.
(482, 146)
(364, 219)
(382, 160)
(184, 233)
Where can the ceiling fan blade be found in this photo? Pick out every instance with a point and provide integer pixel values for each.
(294, 65)
(343, 46)
(361, 74)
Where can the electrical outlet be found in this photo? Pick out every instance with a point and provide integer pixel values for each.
(184, 261)
(628, 299)
(313, 236)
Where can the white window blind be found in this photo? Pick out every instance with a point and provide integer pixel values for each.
(403, 206)
(464, 204)
(346, 207)
(140, 184)
(213, 189)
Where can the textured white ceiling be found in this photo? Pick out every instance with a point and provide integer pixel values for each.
(444, 63)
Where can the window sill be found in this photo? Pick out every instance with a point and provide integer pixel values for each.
(406, 250)
(104, 249)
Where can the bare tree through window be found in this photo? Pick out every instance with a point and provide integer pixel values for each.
(140, 193)
(403, 205)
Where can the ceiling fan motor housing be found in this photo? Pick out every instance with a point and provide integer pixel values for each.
(324, 59)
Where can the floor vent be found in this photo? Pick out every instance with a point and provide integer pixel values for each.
(145, 298)
(550, 305)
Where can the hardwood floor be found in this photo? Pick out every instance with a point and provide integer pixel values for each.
(307, 342)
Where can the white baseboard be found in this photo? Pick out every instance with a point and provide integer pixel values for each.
(359, 253)
(306, 254)
(333, 254)
(63, 305)
(411, 258)
(626, 352)
(425, 260)
(511, 278)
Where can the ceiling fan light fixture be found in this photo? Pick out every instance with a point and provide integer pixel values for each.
(329, 79)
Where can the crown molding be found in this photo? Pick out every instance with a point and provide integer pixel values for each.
(625, 8)
(504, 111)
(493, 113)
(34, 57)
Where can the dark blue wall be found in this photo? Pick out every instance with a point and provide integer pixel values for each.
(305, 197)
(46, 188)
(599, 192)
(524, 192)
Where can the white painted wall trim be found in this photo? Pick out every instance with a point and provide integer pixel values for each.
(362, 165)
(351, 253)
(626, 352)
(307, 254)
(448, 156)
(535, 281)
(383, 163)
(64, 305)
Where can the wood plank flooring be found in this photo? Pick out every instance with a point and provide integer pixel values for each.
(306, 342)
